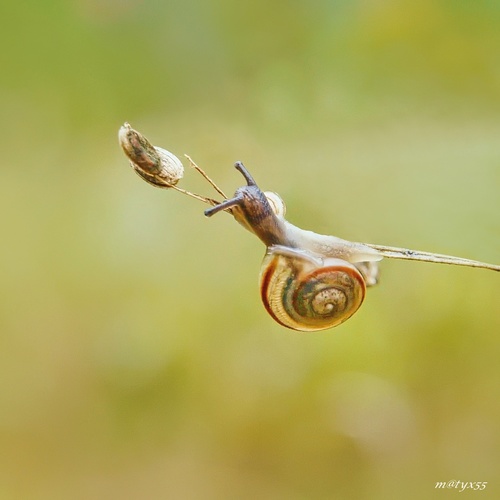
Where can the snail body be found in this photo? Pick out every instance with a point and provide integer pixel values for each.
(308, 281)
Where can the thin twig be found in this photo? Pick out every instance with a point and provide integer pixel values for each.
(405, 254)
(205, 176)
(162, 183)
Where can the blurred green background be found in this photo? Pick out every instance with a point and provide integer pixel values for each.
(136, 360)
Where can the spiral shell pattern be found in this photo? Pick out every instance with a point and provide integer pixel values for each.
(307, 293)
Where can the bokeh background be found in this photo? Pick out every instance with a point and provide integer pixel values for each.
(136, 360)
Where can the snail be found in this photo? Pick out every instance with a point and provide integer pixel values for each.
(308, 281)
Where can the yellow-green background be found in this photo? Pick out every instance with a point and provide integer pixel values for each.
(136, 360)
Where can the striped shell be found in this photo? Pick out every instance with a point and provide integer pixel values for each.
(306, 293)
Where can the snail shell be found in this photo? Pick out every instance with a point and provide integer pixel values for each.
(306, 293)
(276, 203)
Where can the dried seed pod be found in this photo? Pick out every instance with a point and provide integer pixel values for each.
(155, 165)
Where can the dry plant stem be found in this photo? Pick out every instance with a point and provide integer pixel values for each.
(405, 254)
(205, 176)
(204, 199)
(209, 201)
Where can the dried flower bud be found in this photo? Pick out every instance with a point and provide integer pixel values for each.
(155, 165)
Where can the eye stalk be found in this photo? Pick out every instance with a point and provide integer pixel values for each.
(246, 174)
(238, 198)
